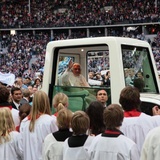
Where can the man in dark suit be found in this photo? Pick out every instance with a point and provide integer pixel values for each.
(16, 95)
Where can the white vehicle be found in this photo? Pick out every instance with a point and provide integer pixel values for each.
(99, 55)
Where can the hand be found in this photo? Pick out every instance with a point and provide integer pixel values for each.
(70, 64)
(155, 110)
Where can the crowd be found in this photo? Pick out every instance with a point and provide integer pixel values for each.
(40, 14)
(31, 131)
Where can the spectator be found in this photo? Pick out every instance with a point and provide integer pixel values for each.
(16, 95)
(26, 96)
(4, 97)
(114, 143)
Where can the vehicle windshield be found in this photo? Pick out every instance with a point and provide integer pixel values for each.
(138, 69)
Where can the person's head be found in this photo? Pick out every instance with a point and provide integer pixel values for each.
(40, 106)
(64, 118)
(30, 88)
(4, 94)
(35, 89)
(113, 116)
(16, 94)
(102, 96)
(60, 101)
(129, 98)
(19, 81)
(76, 69)
(37, 81)
(126, 72)
(28, 80)
(91, 75)
(6, 124)
(140, 75)
(139, 84)
(131, 72)
(26, 93)
(80, 123)
(24, 110)
(95, 113)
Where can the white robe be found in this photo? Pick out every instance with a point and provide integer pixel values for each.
(52, 149)
(113, 148)
(136, 128)
(69, 79)
(33, 141)
(151, 146)
(15, 114)
(77, 153)
(12, 150)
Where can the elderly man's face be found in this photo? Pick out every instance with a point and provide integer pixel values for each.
(76, 70)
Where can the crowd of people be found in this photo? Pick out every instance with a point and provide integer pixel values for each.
(62, 13)
(31, 131)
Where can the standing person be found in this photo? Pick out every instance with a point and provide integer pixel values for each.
(25, 96)
(76, 146)
(95, 113)
(112, 144)
(16, 96)
(9, 139)
(151, 145)
(53, 143)
(102, 97)
(73, 77)
(136, 124)
(4, 97)
(38, 83)
(60, 101)
(35, 127)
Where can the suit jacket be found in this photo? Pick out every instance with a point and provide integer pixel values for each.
(13, 105)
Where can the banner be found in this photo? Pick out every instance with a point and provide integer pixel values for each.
(7, 78)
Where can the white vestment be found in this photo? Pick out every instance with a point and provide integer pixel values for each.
(15, 114)
(69, 79)
(113, 148)
(77, 153)
(151, 146)
(33, 141)
(12, 150)
(52, 149)
(136, 128)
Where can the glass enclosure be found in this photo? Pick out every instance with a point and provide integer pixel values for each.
(138, 69)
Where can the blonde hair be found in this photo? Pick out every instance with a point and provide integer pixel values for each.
(40, 106)
(6, 124)
(60, 101)
(80, 122)
(64, 118)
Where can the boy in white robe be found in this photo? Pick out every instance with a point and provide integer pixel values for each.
(76, 147)
(112, 144)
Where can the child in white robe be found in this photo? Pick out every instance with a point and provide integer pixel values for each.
(112, 144)
(35, 127)
(53, 143)
(9, 138)
(76, 146)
